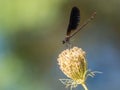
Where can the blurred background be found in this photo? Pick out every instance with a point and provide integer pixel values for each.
(31, 32)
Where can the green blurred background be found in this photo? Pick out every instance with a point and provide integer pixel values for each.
(31, 32)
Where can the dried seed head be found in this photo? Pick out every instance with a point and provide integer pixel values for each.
(73, 64)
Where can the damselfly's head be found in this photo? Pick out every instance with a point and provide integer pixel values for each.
(66, 40)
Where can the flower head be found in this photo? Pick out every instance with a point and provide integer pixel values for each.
(73, 64)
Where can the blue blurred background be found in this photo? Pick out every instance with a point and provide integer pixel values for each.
(31, 32)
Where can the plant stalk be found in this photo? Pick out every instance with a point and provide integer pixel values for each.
(84, 86)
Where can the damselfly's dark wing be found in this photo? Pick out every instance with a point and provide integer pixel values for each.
(74, 20)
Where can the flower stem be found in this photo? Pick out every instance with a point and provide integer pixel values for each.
(84, 86)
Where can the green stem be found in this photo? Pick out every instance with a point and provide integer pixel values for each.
(84, 86)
